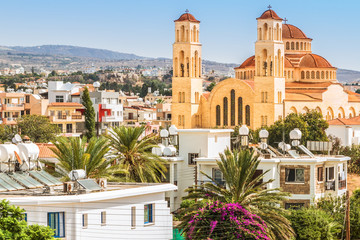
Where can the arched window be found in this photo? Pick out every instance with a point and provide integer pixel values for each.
(297, 46)
(178, 35)
(331, 75)
(301, 46)
(218, 113)
(312, 74)
(179, 120)
(225, 113)
(179, 97)
(183, 97)
(317, 75)
(292, 46)
(307, 75)
(232, 107)
(287, 46)
(266, 34)
(182, 64)
(293, 110)
(302, 74)
(322, 74)
(247, 115)
(182, 32)
(240, 111)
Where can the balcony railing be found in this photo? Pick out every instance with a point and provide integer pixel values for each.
(330, 185)
(218, 182)
(342, 184)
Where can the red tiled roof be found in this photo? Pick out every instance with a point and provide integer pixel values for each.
(311, 60)
(45, 150)
(290, 31)
(270, 14)
(76, 94)
(345, 121)
(187, 17)
(206, 95)
(65, 104)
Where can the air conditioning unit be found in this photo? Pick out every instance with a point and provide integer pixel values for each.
(69, 187)
(102, 182)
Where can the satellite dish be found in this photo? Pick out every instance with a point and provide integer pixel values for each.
(16, 139)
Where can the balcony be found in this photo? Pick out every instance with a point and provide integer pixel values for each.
(67, 118)
(13, 107)
(111, 119)
(330, 185)
(9, 121)
(221, 183)
(342, 184)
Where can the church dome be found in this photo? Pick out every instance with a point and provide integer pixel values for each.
(311, 60)
(270, 14)
(250, 62)
(290, 31)
(187, 17)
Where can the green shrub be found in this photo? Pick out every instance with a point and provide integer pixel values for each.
(312, 223)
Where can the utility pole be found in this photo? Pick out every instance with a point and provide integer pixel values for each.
(347, 215)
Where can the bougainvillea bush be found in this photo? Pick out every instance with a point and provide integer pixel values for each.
(218, 220)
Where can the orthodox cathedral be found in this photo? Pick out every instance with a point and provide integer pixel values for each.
(283, 77)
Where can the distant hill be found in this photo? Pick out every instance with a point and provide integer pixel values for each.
(348, 76)
(73, 51)
(76, 58)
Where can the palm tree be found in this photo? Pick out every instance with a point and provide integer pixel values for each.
(133, 152)
(75, 153)
(247, 189)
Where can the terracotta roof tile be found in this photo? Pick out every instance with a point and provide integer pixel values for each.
(45, 150)
(187, 17)
(290, 31)
(345, 121)
(206, 95)
(311, 60)
(270, 14)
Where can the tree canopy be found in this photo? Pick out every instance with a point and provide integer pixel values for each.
(311, 124)
(37, 128)
(89, 114)
(13, 225)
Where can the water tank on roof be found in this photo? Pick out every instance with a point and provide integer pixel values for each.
(169, 151)
(158, 150)
(7, 151)
(77, 174)
(28, 150)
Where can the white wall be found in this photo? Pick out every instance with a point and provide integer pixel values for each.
(118, 218)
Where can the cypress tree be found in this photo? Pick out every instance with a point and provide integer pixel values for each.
(89, 114)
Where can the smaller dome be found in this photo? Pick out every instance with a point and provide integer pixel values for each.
(187, 17)
(311, 60)
(270, 14)
(250, 62)
(290, 31)
(288, 64)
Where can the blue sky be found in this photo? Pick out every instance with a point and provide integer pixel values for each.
(146, 27)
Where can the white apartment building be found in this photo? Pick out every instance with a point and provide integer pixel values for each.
(59, 91)
(346, 129)
(306, 176)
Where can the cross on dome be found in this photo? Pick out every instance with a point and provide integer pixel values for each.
(285, 20)
(187, 10)
(269, 7)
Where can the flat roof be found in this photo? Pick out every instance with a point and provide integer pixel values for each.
(58, 196)
(205, 130)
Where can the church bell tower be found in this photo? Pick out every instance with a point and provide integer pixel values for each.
(269, 78)
(186, 82)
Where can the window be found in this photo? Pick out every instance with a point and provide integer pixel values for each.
(148, 213)
(191, 158)
(240, 110)
(330, 174)
(103, 218)
(232, 107)
(175, 174)
(247, 115)
(25, 217)
(59, 98)
(320, 174)
(257, 173)
(56, 221)
(133, 217)
(217, 175)
(60, 126)
(27, 111)
(225, 109)
(69, 128)
(85, 220)
(218, 123)
(27, 98)
(294, 205)
(295, 175)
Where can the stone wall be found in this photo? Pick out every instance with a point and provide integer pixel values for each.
(295, 188)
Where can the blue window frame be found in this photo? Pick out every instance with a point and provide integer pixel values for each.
(148, 213)
(56, 221)
(25, 217)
